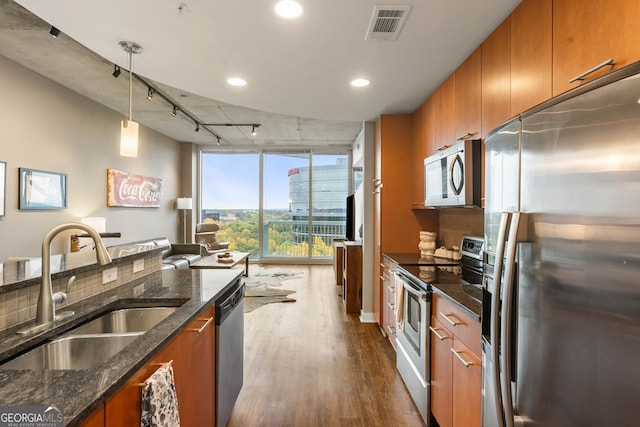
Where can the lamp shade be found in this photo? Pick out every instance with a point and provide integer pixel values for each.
(97, 223)
(184, 203)
(129, 138)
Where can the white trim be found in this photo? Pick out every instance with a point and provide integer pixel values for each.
(367, 317)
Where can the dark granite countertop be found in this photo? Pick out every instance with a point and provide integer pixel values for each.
(414, 258)
(466, 296)
(23, 272)
(80, 392)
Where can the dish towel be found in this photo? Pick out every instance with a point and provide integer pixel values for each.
(399, 300)
(159, 399)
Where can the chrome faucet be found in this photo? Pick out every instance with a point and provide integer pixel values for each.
(46, 311)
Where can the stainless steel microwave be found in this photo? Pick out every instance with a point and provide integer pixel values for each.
(453, 176)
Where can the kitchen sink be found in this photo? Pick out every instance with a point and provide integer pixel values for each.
(125, 320)
(72, 352)
(92, 343)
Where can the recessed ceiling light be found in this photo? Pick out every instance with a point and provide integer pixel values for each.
(359, 82)
(288, 9)
(236, 81)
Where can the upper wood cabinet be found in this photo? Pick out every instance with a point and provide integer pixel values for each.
(468, 97)
(496, 77)
(423, 146)
(445, 113)
(587, 33)
(531, 48)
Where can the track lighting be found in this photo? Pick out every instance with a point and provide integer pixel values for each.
(116, 71)
(129, 128)
(153, 92)
(54, 32)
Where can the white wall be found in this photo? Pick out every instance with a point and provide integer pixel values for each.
(44, 125)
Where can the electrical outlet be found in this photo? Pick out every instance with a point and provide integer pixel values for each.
(109, 275)
(138, 265)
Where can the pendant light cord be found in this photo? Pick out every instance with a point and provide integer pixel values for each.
(130, 83)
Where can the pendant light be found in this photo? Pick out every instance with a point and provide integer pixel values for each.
(129, 128)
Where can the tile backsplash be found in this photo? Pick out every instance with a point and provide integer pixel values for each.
(455, 223)
(19, 306)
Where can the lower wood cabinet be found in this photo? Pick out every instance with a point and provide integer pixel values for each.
(388, 285)
(193, 356)
(456, 367)
(96, 419)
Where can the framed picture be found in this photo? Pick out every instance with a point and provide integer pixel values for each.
(3, 188)
(42, 190)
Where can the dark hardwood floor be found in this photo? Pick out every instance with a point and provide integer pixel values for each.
(308, 363)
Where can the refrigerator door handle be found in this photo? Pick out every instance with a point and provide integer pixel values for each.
(515, 235)
(495, 316)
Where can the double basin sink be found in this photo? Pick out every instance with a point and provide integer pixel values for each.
(91, 343)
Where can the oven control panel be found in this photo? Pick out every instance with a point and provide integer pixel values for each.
(471, 246)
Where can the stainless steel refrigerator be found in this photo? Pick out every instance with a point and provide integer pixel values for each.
(561, 298)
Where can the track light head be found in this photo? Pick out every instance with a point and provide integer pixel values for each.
(54, 32)
(150, 94)
(175, 111)
(218, 143)
(253, 130)
(116, 71)
(197, 127)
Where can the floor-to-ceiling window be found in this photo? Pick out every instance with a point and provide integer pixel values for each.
(230, 197)
(291, 211)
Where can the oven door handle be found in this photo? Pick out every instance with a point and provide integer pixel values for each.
(417, 293)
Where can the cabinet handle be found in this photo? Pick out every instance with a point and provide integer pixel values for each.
(596, 68)
(465, 136)
(446, 317)
(209, 320)
(435, 332)
(464, 362)
(154, 364)
(444, 147)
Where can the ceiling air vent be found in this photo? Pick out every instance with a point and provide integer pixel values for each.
(386, 22)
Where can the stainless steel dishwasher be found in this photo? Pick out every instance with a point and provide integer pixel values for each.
(229, 350)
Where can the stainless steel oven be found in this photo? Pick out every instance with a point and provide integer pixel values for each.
(412, 353)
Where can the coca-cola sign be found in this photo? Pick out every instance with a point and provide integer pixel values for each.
(131, 190)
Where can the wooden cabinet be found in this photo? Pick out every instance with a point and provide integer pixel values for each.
(496, 77)
(531, 51)
(468, 97)
(352, 277)
(445, 113)
(96, 419)
(396, 227)
(467, 383)
(456, 367)
(441, 373)
(587, 33)
(388, 283)
(196, 377)
(423, 146)
(193, 359)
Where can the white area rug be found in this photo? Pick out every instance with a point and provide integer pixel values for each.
(263, 286)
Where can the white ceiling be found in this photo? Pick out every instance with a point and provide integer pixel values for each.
(298, 71)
